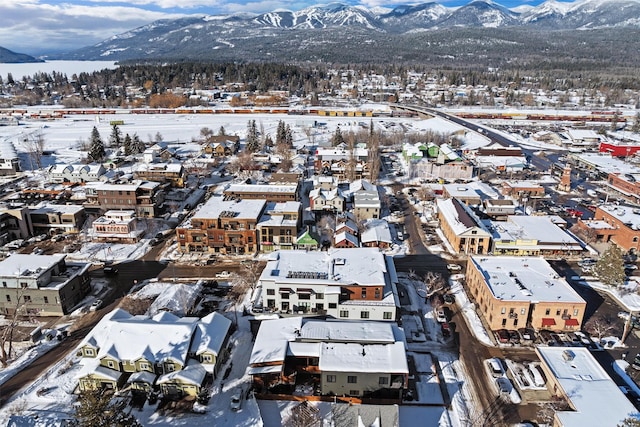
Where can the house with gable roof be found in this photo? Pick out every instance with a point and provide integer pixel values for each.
(142, 351)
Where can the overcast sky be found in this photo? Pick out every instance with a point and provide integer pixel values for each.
(38, 26)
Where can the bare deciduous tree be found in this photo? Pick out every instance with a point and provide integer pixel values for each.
(600, 326)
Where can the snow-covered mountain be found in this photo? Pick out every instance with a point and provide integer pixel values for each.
(281, 30)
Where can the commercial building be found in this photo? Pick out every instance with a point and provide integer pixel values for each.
(516, 292)
(357, 283)
(462, 228)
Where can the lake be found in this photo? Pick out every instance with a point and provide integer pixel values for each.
(65, 67)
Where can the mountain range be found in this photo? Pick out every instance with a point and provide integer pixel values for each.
(339, 32)
(7, 56)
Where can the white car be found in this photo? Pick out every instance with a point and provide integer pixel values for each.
(236, 400)
(495, 367)
(97, 304)
(454, 267)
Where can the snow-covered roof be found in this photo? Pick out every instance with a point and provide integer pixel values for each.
(177, 298)
(50, 208)
(625, 214)
(126, 337)
(211, 333)
(158, 167)
(192, 374)
(538, 230)
(28, 265)
(7, 150)
(355, 266)
(377, 231)
(383, 358)
(459, 217)
(595, 396)
(344, 236)
(608, 164)
(240, 209)
(514, 278)
(261, 188)
(339, 345)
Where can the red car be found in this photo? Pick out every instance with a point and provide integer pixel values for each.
(446, 329)
(575, 213)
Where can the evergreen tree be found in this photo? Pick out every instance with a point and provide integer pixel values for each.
(98, 409)
(281, 133)
(337, 138)
(268, 142)
(96, 147)
(115, 139)
(221, 131)
(137, 146)
(252, 136)
(610, 267)
(288, 136)
(615, 120)
(127, 145)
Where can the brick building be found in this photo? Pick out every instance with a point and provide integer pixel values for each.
(143, 196)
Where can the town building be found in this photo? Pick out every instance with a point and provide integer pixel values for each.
(57, 219)
(625, 224)
(222, 226)
(357, 283)
(42, 285)
(142, 352)
(499, 209)
(172, 173)
(9, 160)
(343, 163)
(365, 200)
(361, 360)
(15, 223)
(117, 227)
(578, 378)
(145, 197)
(531, 236)
(279, 225)
(462, 228)
(270, 193)
(626, 186)
(522, 190)
(75, 173)
(517, 292)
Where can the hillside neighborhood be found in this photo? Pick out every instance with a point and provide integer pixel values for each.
(355, 264)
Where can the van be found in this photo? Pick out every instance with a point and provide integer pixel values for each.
(495, 367)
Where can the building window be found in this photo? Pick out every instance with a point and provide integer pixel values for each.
(386, 315)
(24, 285)
(364, 293)
(46, 300)
(8, 298)
(364, 314)
(111, 364)
(331, 378)
(383, 380)
(354, 392)
(523, 311)
(4, 284)
(27, 298)
(271, 291)
(333, 305)
(504, 322)
(171, 367)
(319, 295)
(558, 312)
(344, 313)
(88, 351)
(547, 311)
(377, 293)
(207, 358)
(304, 296)
(575, 312)
(352, 379)
(284, 295)
(503, 310)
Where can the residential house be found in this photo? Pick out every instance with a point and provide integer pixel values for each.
(222, 226)
(344, 239)
(279, 225)
(222, 145)
(172, 173)
(148, 351)
(462, 228)
(499, 209)
(117, 227)
(9, 160)
(42, 285)
(15, 223)
(343, 163)
(355, 283)
(362, 360)
(327, 200)
(365, 200)
(522, 191)
(515, 292)
(75, 173)
(57, 219)
(376, 235)
(144, 196)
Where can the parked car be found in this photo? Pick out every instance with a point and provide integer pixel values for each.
(236, 400)
(109, 270)
(502, 335)
(97, 304)
(449, 298)
(514, 337)
(454, 267)
(528, 334)
(155, 241)
(440, 316)
(504, 385)
(496, 368)
(446, 329)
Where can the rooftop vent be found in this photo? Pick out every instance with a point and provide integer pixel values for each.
(568, 355)
(339, 261)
